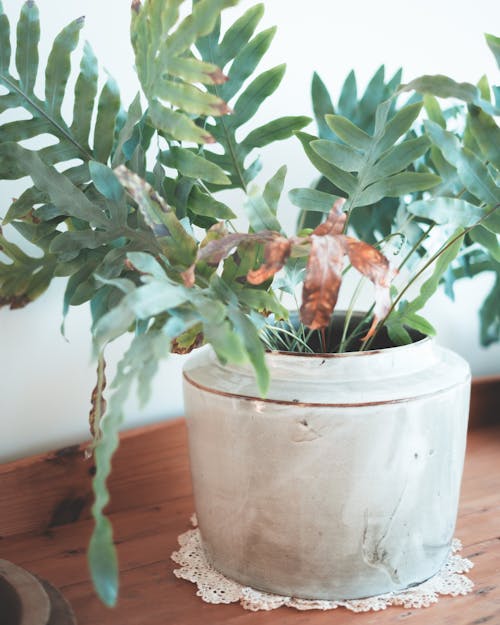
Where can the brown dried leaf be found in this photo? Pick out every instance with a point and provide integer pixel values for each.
(15, 301)
(324, 271)
(188, 277)
(214, 251)
(335, 221)
(98, 403)
(368, 261)
(217, 249)
(375, 266)
(382, 307)
(221, 108)
(177, 348)
(322, 282)
(276, 254)
(218, 77)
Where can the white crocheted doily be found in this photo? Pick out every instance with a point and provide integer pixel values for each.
(213, 587)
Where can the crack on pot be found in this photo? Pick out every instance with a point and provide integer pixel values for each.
(303, 432)
(378, 558)
(372, 551)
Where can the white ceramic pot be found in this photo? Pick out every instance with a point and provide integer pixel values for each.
(344, 482)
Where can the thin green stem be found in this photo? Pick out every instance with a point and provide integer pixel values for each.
(344, 341)
(349, 314)
(433, 258)
(278, 331)
(416, 246)
(227, 134)
(358, 331)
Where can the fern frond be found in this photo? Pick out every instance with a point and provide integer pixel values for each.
(167, 69)
(360, 109)
(368, 168)
(74, 141)
(241, 49)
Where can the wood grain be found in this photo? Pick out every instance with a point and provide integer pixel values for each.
(485, 401)
(45, 527)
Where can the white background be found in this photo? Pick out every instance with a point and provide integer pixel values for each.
(45, 382)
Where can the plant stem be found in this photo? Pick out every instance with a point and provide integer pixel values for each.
(426, 265)
(344, 340)
(229, 142)
(416, 246)
(349, 314)
(288, 333)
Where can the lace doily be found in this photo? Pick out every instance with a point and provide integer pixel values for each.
(213, 587)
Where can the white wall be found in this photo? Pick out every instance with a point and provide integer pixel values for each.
(45, 382)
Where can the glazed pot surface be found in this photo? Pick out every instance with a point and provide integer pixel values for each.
(343, 483)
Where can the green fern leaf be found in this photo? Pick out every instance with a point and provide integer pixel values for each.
(378, 160)
(240, 49)
(355, 123)
(167, 69)
(24, 278)
(46, 117)
(28, 36)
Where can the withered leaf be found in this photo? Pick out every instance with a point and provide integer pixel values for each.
(188, 277)
(15, 301)
(382, 307)
(276, 253)
(98, 403)
(177, 346)
(218, 77)
(335, 221)
(368, 261)
(322, 282)
(375, 266)
(214, 251)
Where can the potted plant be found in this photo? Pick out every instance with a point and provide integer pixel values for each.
(128, 207)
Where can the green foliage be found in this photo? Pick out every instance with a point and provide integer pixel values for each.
(467, 164)
(406, 316)
(469, 194)
(371, 221)
(444, 87)
(240, 50)
(167, 69)
(367, 168)
(494, 44)
(23, 278)
(201, 116)
(65, 195)
(138, 365)
(73, 140)
(489, 314)
(261, 208)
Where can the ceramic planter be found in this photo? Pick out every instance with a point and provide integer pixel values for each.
(344, 482)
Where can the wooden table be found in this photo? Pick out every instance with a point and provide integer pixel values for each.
(45, 527)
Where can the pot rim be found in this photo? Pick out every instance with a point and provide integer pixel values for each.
(368, 352)
(308, 404)
(356, 354)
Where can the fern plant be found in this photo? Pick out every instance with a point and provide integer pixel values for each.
(464, 194)
(127, 206)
